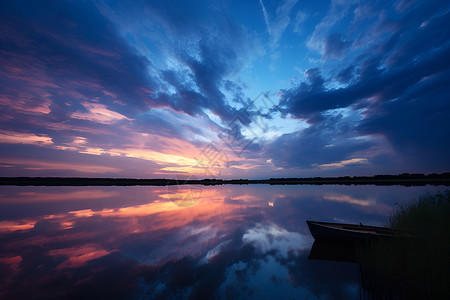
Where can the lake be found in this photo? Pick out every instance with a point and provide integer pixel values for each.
(181, 242)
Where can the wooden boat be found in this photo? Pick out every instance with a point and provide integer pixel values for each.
(350, 232)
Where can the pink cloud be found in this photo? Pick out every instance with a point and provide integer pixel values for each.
(78, 256)
(10, 226)
(25, 104)
(11, 137)
(99, 113)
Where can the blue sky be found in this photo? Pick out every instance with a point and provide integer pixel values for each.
(227, 89)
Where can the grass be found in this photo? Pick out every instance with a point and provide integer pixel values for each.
(412, 268)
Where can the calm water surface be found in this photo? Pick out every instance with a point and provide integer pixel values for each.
(187, 242)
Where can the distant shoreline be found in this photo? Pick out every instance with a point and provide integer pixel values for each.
(404, 179)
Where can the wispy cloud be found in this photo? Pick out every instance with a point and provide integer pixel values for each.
(277, 26)
(98, 113)
(11, 137)
(392, 103)
(344, 163)
(266, 17)
(337, 11)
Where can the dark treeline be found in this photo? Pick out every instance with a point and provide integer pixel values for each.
(402, 179)
(405, 179)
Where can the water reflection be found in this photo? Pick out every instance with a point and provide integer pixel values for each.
(225, 242)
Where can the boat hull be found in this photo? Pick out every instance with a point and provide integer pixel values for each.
(347, 232)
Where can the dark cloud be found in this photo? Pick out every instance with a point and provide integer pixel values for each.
(415, 124)
(331, 140)
(335, 46)
(315, 79)
(218, 47)
(64, 54)
(218, 58)
(400, 88)
(70, 52)
(346, 74)
(308, 100)
(59, 56)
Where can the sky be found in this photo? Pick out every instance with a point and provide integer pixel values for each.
(224, 89)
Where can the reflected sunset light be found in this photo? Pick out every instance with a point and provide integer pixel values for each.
(78, 231)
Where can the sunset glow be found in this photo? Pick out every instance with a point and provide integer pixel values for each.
(224, 89)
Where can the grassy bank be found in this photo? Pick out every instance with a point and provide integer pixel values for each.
(416, 267)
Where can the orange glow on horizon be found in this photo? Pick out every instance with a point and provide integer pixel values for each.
(36, 197)
(171, 155)
(42, 165)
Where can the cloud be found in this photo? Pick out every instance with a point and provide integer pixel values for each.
(73, 81)
(269, 237)
(346, 74)
(397, 87)
(335, 47)
(326, 143)
(277, 26)
(11, 137)
(282, 20)
(203, 49)
(70, 49)
(266, 17)
(122, 81)
(337, 11)
(300, 18)
(98, 113)
(345, 163)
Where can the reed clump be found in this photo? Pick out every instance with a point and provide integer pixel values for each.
(413, 267)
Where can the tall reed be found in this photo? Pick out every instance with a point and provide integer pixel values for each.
(417, 267)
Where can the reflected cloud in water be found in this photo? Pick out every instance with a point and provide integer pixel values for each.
(226, 242)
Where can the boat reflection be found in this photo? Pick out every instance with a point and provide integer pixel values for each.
(334, 250)
(373, 282)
